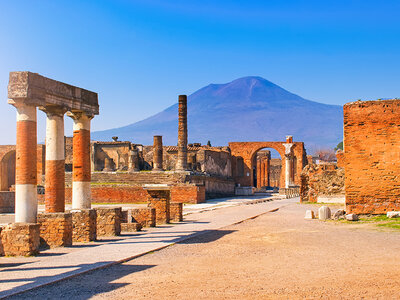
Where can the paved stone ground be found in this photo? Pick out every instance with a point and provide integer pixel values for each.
(277, 255)
(22, 273)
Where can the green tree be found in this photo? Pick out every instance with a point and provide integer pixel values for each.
(209, 144)
(339, 146)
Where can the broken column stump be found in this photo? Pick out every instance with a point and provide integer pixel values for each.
(20, 239)
(144, 216)
(161, 207)
(109, 221)
(84, 225)
(55, 229)
(176, 212)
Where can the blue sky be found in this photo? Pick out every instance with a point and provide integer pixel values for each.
(139, 55)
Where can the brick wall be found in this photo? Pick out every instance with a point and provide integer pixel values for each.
(372, 156)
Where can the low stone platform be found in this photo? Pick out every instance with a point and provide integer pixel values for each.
(130, 227)
(55, 229)
(20, 239)
(84, 227)
(109, 221)
(176, 212)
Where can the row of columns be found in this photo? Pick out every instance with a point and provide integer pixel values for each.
(26, 161)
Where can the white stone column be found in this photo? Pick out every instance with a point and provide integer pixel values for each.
(288, 164)
(26, 160)
(81, 170)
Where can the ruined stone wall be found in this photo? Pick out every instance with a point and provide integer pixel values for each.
(275, 172)
(323, 180)
(118, 152)
(215, 162)
(372, 156)
(7, 202)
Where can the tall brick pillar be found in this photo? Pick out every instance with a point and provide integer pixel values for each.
(25, 167)
(157, 153)
(81, 175)
(55, 160)
(258, 169)
(181, 162)
(266, 169)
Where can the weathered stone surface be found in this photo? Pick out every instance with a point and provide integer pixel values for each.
(309, 215)
(176, 212)
(7, 202)
(162, 207)
(339, 214)
(352, 217)
(20, 239)
(1, 243)
(324, 213)
(321, 180)
(84, 225)
(109, 221)
(130, 227)
(371, 157)
(393, 214)
(55, 229)
(144, 216)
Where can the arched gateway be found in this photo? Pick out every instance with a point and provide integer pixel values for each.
(293, 154)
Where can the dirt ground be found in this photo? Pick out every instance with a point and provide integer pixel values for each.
(278, 255)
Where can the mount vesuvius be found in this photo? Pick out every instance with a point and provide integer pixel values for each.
(246, 109)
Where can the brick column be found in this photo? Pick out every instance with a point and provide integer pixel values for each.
(258, 170)
(181, 162)
(267, 167)
(157, 153)
(55, 161)
(25, 173)
(81, 175)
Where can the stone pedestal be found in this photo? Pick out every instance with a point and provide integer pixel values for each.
(55, 229)
(324, 213)
(130, 227)
(162, 207)
(109, 221)
(176, 212)
(144, 216)
(20, 239)
(84, 225)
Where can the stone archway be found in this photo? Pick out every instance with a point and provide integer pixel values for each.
(7, 169)
(247, 151)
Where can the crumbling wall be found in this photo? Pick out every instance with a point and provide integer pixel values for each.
(372, 156)
(321, 180)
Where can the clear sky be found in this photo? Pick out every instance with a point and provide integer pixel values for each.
(139, 55)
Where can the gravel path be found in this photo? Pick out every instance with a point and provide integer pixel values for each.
(277, 255)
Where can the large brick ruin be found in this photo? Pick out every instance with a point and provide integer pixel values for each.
(372, 156)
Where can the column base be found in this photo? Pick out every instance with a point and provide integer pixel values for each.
(84, 225)
(162, 207)
(176, 212)
(109, 221)
(55, 229)
(20, 239)
(144, 216)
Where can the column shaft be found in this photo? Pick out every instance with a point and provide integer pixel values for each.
(81, 175)
(157, 153)
(55, 163)
(287, 171)
(26, 160)
(181, 162)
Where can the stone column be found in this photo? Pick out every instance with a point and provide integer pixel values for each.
(25, 167)
(157, 153)
(258, 169)
(288, 163)
(55, 161)
(262, 181)
(81, 175)
(133, 160)
(181, 162)
(266, 171)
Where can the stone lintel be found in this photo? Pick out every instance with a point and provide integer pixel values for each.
(37, 90)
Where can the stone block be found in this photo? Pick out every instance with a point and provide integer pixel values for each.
(339, 214)
(55, 229)
(352, 217)
(162, 207)
(20, 239)
(176, 212)
(84, 227)
(324, 213)
(144, 216)
(1, 244)
(130, 227)
(393, 214)
(309, 215)
(109, 221)
(7, 202)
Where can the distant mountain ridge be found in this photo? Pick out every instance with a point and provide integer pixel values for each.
(246, 109)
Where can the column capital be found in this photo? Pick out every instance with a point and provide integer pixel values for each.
(55, 110)
(288, 148)
(79, 115)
